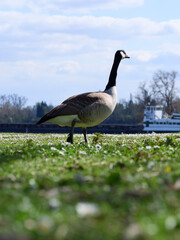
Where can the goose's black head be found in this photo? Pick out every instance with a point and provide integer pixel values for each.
(121, 54)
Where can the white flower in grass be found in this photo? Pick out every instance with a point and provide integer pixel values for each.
(64, 144)
(57, 150)
(148, 147)
(140, 169)
(61, 153)
(54, 203)
(150, 164)
(82, 152)
(45, 224)
(170, 223)
(87, 209)
(98, 146)
(177, 186)
(152, 229)
(30, 224)
(54, 149)
(156, 146)
(32, 182)
(133, 231)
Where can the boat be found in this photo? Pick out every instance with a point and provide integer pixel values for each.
(156, 121)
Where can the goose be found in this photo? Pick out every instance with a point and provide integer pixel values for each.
(87, 109)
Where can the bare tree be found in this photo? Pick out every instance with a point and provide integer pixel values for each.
(163, 89)
(11, 108)
(13, 100)
(17, 101)
(144, 96)
(176, 105)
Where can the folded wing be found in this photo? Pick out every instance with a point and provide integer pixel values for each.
(72, 106)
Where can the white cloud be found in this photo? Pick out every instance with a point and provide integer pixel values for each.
(68, 5)
(53, 51)
(12, 4)
(28, 36)
(170, 48)
(57, 23)
(173, 25)
(68, 67)
(33, 27)
(144, 56)
(87, 6)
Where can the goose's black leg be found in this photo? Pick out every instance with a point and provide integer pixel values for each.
(84, 133)
(70, 135)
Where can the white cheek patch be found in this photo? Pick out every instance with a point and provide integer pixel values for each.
(123, 55)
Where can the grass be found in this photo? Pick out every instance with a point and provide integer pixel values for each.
(117, 187)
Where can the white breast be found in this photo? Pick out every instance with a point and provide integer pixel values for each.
(100, 110)
(113, 93)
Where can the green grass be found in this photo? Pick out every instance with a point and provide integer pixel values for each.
(117, 187)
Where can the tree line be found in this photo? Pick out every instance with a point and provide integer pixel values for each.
(160, 91)
(13, 109)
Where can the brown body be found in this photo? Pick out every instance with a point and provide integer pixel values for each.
(88, 109)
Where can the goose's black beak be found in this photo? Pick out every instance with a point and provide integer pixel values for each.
(127, 56)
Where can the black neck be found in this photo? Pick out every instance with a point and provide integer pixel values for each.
(113, 73)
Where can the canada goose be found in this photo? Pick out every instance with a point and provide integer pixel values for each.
(87, 109)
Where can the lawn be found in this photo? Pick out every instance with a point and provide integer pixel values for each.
(116, 187)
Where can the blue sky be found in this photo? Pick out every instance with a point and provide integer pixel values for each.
(52, 49)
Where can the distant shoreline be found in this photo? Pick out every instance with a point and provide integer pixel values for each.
(53, 128)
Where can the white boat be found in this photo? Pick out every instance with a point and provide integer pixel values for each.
(154, 121)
